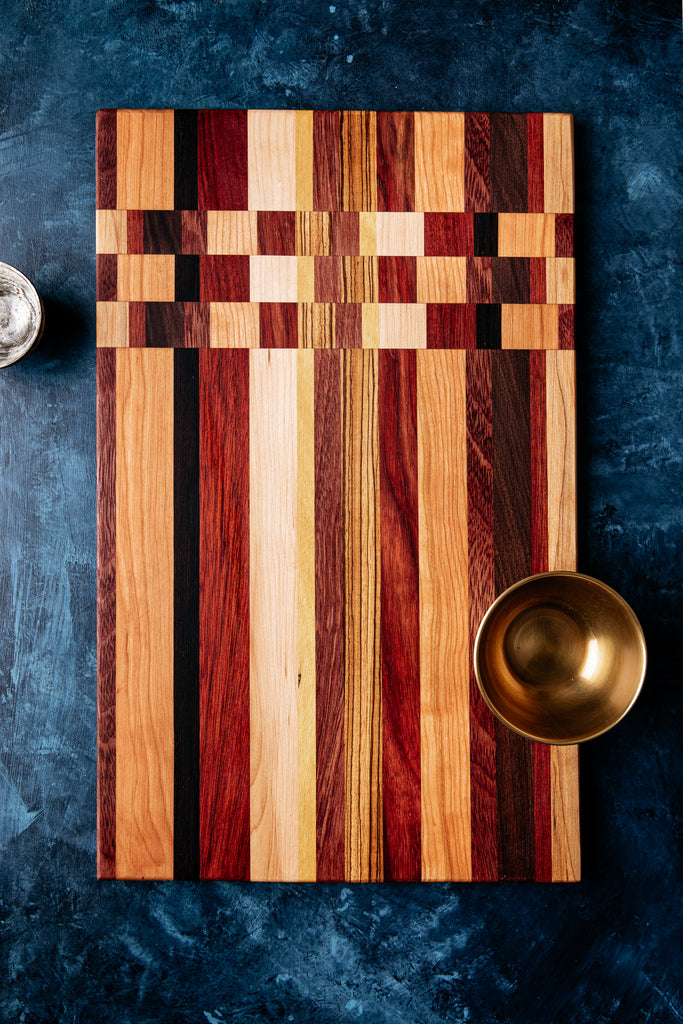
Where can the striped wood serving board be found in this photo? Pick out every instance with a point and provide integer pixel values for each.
(336, 402)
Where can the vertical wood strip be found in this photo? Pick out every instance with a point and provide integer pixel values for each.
(326, 157)
(304, 160)
(396, 161)
(558, 163)
(144, 613)
(534, 136)
(106, 613)
(271, 142)
(273, 615)
(186, 614)
(185, 159)
(444, 632)
(358, 160)
(476, 164)
(145, 171)
(439, 162)
(362, 584)
(481, 595)
(329, 620)
(400, 626)
(306, 614)
(224, 613)
(508, 162)
(561, 446)
(512, 554)
(222, 160)
(105, 189)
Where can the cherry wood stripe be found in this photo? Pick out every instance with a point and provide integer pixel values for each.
(106, 612)
(512, 555)
(396, 161)
(477, 171)
(144, 613)
(186, 613)
(107, 277)
(106, 160)
(222, 160)
(326, 159)
(444, 627)
(224, 613)
(400, 626)
(362, 592)
(329, 620)
(481, 594)
(534, 141)
(274, 755)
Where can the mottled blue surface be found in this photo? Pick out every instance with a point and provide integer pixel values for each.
(608, 949)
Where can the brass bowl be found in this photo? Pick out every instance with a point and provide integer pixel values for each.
(560, 657)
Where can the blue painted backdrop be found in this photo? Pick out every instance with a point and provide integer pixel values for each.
(608, 949)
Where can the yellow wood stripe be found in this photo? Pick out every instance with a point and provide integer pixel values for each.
(561, 441)
(144, 613)
(304, 160)
(558, 163)
(362, 673)
(274, 738)
(306, 611)
(444, 641)
(144, 160)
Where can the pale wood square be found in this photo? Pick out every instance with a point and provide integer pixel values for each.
(233, 325)
(146, 278)
(273, 278)
(528, 327)
(559, 280)
(232, 232)
(112, 324)
(400, 234)
(526, 234)
(402, 325)
(111, 231)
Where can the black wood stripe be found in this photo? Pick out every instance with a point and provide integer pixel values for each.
(186, 613)
(185, 159)
(186, 278)
(512, 556)
(488, 325)
(485, 236)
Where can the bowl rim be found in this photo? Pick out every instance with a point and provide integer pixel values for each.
(31, 290)
(569, 574)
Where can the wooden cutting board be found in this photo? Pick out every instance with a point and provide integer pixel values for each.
(336, 404)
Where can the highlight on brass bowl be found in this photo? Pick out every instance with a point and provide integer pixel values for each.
(560, 657)
(21, 315)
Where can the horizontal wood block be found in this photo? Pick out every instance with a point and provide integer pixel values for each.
(448, 234)
(224, 278)
(400, 234)
(276, 232)
(402, 325)
(272, 279)
(111, 231)
(529, 327)
(441, 279)
(232, 232)
(112, 324)
(526, 234)
(233, 325)
(146, 278)
(144, 168)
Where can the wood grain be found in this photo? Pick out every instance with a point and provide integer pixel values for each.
(304, 160)
(273, 714)
(306, 614)
(185, 159)
(271, 136)
(558, 163)
(233, 325)
(145, 278)
(535, 173)
(396, 161)
(439, 161)
(441, 279)
(144, 160)
(232, 232)
(358, 160)
(362, 586)
(397, 279)
(144, 613)
(476, 163)
(508, 162)
(400, 234)
(329, 620)
(529, 327)
(444, 631)
(224, 614)
(529, 234)
(112, 325)
(402, 325)
(448, 234)
(106, 614)
(451, 325)
(111, 231)
(106, 190)
(400, 618)
(222, 160)
(326, 160)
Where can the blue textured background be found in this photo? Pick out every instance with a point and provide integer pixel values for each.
(608, 949)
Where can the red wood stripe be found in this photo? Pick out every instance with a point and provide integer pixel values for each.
(224, 278)
(566, 326)
(193, 231)
(222, 160)
(478, 279)
(539, 563)
(276, 230)
(564, 234)
(449, 234)
(329, 619)
(278, 325)
(224, 613)
(106, 160)
(135, 231)
(400, 625)
(348, 325)
(451, 325)
(534, 165)
(326, 160)
(512, 555)
(137, 326)
(346, 233)
(107, 277)
(106, 612)
(537, 279)
(396, 161)
(477, 177)
(397, 278)
(482, 592)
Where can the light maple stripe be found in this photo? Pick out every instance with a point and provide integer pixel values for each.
(144, 613)
(561, 444)
(274, 736)
(444, 629)
(272, 147)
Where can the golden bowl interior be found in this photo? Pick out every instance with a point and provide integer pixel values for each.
(560, 657)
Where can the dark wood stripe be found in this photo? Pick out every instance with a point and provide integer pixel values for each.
(450, 234)
(187, 287)
(278, 325)
(105, 189)
(485, 234)
(397, 278)
(400, 618)
(508, 156)
(512, 556)
(348, 325)
(451, 325)
(326, 160)
(564, 234)
(194, 231)
(357, 160)
(224, 278)
(534, 162)
(565, 326)
(224, 613)
(196, 325)
(488, 325)
(137, 327)
(135, 232)
(106, 613)
(510, 279)
(222, 160)
(162, 231)
(477, 175)
(329, 620)
(537, 279)
(185, 162)
(164, 325)
(539, 563)
(327, 281)
(276, 231)
(484, 819)
(396, 161)
(346, 233)
(186, 613)
(478, 278)
(107, 277)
